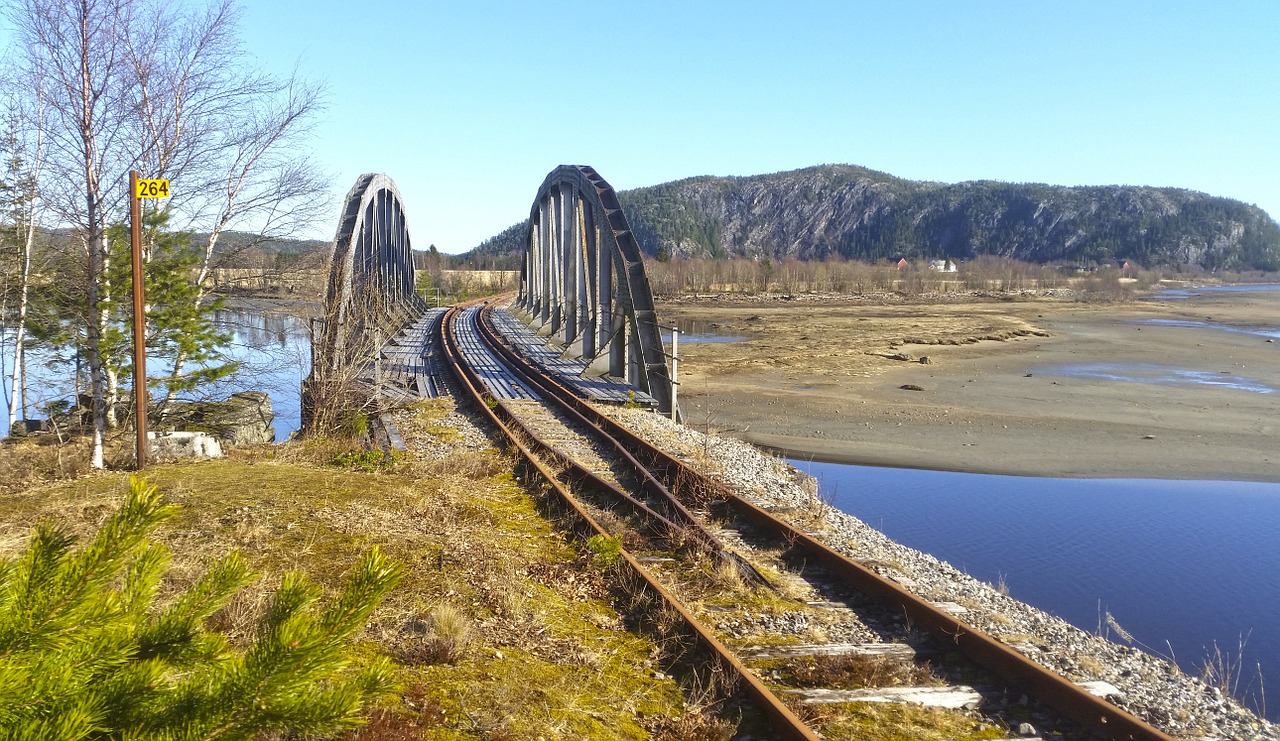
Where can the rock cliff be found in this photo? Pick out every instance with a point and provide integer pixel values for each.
(862, 214)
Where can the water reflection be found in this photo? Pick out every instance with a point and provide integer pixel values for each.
(701, 331)
(273, 351)
(262, 330)
(1153, 373)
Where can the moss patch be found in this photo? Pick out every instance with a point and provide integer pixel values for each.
(873, 721)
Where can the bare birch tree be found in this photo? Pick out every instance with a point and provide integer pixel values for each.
(73, 49)
(229, 135)
(167, 89)
(26, 142)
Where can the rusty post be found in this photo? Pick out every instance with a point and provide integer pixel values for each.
(139, 322)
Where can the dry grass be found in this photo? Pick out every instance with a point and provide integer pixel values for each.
(798, 344)
(446, 636)
(853, 671)
(515, 637)
(695, 725)
(29, 462)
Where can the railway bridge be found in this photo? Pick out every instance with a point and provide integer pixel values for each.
(582, 289)
(582, 326)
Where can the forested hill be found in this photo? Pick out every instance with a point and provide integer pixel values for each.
(862, 214)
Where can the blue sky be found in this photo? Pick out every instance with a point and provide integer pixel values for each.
(467, 105)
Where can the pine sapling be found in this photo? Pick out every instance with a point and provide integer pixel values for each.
(86, 651)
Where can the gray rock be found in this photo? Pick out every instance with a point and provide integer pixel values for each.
(243, 419)
(168, 446)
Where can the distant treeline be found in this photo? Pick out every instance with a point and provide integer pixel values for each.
(855, 213)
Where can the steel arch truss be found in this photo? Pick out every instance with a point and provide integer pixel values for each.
(371, 272)
(583, 282)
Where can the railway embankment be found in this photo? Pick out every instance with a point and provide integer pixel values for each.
(1146, 685)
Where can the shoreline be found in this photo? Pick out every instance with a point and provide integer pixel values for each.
(855, 459)
(1150, 685)
(999, 393)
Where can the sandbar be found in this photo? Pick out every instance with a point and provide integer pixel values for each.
(1015, 384)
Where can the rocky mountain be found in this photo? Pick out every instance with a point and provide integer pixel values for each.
(867, 215)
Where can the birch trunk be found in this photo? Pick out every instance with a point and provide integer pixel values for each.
(18, 397)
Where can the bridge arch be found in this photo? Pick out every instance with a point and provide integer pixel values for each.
(371, 271)
(582, 281)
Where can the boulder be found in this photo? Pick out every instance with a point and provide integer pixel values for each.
(243, 419)
(168, 446)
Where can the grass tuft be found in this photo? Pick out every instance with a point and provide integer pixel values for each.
(447, 634)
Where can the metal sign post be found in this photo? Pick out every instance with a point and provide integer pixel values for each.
(139, 322)
(675, 366)
(139, 189)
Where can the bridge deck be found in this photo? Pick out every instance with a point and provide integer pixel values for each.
(568, 371)
(500, 381)
(412, 356)
(414, 364)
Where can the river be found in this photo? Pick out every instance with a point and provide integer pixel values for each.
(273, 349)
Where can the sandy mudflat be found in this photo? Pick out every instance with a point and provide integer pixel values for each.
(814, 381)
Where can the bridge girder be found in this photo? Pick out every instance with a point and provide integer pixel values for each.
(582, 281)
(371, 271)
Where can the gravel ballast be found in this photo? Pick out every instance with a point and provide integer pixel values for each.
(1149, 687)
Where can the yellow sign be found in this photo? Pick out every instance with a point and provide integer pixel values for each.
(152, 189)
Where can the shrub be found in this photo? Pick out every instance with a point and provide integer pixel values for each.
(85, 651)
(368, 461)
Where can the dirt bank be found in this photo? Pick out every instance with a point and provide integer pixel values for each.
(820, 380)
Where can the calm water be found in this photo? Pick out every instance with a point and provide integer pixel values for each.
(1179, 564)
(700, 331)
(1154, 373)
(273, 350)
(1179, 293)
(1258, 331)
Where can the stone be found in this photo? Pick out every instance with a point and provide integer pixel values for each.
(23, 427)
(243, 419)
(168, 446)
(954, 697)
(1100, 688)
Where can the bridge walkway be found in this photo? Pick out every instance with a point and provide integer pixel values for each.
(571, 372)
(412, 361)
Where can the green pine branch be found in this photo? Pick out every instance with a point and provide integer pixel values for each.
(85, 651)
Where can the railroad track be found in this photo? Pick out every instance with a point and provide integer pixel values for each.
(681, 535)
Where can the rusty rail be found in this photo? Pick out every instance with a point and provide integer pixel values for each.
(1073, 702)
(783, 722)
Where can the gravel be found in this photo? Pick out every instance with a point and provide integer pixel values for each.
(1150, 687)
